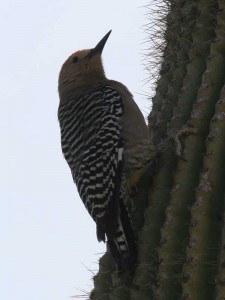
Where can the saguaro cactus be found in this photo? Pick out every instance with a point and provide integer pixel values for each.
(181, 228)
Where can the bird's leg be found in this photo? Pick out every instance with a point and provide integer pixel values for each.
(135, 178)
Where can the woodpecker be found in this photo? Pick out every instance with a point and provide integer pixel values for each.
(105, 142)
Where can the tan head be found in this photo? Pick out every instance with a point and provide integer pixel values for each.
(82, 68)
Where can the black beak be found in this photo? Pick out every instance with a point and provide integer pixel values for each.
(99, 47)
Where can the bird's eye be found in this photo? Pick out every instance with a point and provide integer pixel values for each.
(75, 59)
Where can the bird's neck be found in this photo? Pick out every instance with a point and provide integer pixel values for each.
(70, 88)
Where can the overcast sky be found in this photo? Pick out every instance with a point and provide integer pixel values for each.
(46, 236)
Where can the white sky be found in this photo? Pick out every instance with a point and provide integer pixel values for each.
(46, 235)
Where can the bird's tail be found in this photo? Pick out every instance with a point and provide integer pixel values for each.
(123, 246)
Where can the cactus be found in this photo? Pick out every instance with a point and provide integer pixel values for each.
(181, 240)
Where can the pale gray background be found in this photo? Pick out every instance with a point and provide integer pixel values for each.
(46, 234)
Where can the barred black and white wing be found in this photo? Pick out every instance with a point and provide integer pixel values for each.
(91, 142)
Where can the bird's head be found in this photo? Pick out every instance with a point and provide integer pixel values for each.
(82, 68)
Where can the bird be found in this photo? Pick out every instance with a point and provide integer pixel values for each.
(105, 141)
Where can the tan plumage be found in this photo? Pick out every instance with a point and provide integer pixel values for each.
(86, 93)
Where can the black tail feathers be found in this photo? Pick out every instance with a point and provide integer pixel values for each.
(123, 245)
